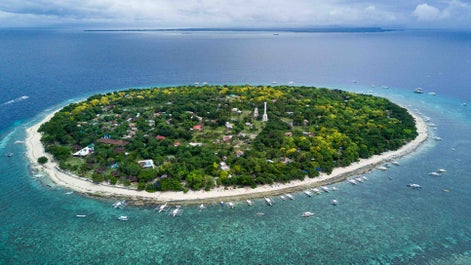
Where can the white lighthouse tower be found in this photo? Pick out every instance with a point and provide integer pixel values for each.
(265, 116)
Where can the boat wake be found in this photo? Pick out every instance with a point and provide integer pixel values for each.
(15, 100)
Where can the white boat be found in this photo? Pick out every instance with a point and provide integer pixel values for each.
(414, 186)
(436, 138)
(307, 214)
(119, 204)
(334, 188)
(123, 218)
(260, 214)
(19, 142)
(162, 207)
(364, 178)
(352, 181)
(308, 193)
(441, 170)
(81, 215)
(249, 202)
(434, 173)
(268, 201)
(290, 196)
(419, 90)
(283, 197)
(395, 163)
(230, 205)
(335, 202)
(316, 190)
(359, 179)
(69, 192)
(325, 189)
(176, 211)
(383, 168)
(201, 207)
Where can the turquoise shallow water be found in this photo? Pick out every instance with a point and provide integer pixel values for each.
(381, 221)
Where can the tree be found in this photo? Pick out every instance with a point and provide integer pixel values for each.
(42, 160)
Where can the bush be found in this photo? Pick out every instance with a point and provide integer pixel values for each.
(42, 160)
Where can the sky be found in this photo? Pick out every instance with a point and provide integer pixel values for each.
(114, 14)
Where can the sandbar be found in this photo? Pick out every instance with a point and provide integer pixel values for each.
(35, 149)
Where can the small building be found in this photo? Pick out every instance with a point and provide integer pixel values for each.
(176, 144)
(224, 166)
(195, 144)
(198, 127)
(149, 163)
(84, 151)
(160, 137)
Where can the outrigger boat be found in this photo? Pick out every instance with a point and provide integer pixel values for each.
(290, 196)
(307, 214)
(119, 204)
(123, 218)
(162, 207)
(268, 201)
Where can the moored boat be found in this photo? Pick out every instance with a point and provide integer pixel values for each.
(162, 207)
(334, 202)
(81, 215)
(123, 218)
(307, 193)
(119, 204)
(307, 214)
(325, 189)
(352, 181)
(249, 202)
(177, 211)
(290, 196)
(268, 201)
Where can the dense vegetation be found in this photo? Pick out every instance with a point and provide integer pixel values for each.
(197, 137)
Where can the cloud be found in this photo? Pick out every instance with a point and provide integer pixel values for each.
(222, 13)
(453, 13)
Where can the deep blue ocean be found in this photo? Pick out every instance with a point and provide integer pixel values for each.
(381, 221)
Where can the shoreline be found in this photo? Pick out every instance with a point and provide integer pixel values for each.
(35, 149)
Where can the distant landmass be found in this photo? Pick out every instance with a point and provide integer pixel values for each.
(304, 29)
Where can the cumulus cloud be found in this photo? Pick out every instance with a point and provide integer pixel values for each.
(425, 12)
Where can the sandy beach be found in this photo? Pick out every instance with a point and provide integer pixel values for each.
(35, 150)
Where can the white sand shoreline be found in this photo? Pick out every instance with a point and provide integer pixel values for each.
(35, 149)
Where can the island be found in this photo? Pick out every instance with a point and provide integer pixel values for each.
(198, 143)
